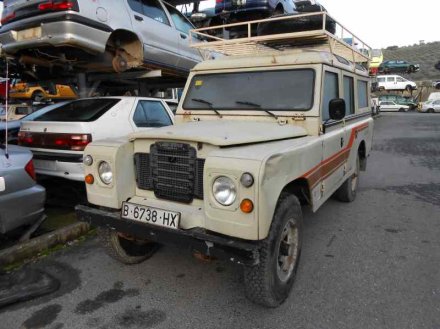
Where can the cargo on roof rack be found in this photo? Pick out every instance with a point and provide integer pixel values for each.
(317, 31)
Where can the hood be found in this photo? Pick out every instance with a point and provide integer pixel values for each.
(224, 132)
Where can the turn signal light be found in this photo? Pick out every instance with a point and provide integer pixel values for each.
(89, 179)
(246, 206)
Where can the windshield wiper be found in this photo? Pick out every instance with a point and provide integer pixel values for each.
(199, 100)
(257, 106)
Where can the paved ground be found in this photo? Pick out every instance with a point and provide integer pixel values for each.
(374, 263)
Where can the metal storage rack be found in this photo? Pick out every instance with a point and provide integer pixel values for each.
(343, 43)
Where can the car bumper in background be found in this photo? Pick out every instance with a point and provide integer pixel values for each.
(66, 165)
(21, 208)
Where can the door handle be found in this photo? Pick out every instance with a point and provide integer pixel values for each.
(342, 141)
(183, 35)
(138, 18)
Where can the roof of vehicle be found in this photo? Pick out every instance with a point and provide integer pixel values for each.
(287, 57)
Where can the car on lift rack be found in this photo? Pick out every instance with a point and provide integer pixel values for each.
(92, 35)
(395, 66)
(58, 138)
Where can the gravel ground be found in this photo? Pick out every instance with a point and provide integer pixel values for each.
(374, 263)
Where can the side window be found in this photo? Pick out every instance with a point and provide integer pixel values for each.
(179, 20)
(136, 5)
(349, 94)
(380, 79)
(151, 114)
(390, 79)
(22, 110)
(362, 93)
(331, 91)
(154, 10)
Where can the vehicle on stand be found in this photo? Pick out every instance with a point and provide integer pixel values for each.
(21, 199)
(396, 66)
(376, 60)
(390, 106)
(37, 93)
(394, 82)
(400, 100)
(215, 182)
(82, 35)
(432, 106)
(436, 84)
(58, 138)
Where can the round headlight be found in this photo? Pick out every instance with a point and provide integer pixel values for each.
(224, 190)
(88, 160)
(247, 179)
(105, 172)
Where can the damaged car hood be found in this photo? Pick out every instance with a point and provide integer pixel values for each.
(223, 132)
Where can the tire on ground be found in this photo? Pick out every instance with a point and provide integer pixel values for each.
(347, 191)
(124, 250)
(267, 283)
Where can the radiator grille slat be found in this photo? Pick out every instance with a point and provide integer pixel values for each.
(172, 171)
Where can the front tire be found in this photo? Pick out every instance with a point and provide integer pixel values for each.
(37, 97)
(269, 283)
(126, 251)
(348, 190)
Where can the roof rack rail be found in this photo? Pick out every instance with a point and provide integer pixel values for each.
(314, 31)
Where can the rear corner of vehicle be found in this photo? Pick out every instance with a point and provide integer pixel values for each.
(21, 199)
(38, 24)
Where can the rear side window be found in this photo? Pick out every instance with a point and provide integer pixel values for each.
(83, 110)
(380, 79)
(23, 110)
(331, 91)
(151, 114)
(349, 94)
(390, 79)
(150, 8)
(362, 93)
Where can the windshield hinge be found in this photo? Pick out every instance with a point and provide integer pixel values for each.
(299, 117)
(283, 121)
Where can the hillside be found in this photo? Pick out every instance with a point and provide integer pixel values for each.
(424, 55)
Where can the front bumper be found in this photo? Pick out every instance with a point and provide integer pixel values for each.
(55, 33)
(197, 239)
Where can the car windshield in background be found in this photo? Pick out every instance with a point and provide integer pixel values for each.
(83, 110)
(282, 90)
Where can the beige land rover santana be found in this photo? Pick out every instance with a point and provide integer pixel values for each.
(260, 133)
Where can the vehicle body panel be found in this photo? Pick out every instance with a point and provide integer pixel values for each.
(22, 200)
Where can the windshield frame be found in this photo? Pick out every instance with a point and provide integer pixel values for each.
(188, 96)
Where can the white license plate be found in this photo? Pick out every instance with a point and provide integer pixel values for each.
(28, 34)
(45, 165)
(154, 216)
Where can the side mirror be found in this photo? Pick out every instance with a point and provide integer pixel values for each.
(337, 109)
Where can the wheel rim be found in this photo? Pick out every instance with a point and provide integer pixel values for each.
(287, 251)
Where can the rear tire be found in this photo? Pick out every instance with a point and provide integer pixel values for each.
(348, 190)
(124, 250)
(269, 283)
(408, 88)
(37, 96)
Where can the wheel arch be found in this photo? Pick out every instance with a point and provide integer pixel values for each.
(300, 188)
(362, 153)
(127, 40)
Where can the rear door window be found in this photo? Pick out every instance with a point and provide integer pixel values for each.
(151, 114)
(83, 110)
(349, 94)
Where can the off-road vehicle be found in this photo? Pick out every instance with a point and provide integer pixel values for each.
(261, 132)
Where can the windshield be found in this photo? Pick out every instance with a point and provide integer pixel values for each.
(377, 52)
(286, 90)
(83, 110)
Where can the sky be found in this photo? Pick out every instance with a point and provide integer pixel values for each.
(383, 23)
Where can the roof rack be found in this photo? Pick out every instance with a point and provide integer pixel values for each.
(322, 33)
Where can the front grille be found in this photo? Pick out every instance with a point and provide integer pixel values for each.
(172, 171)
